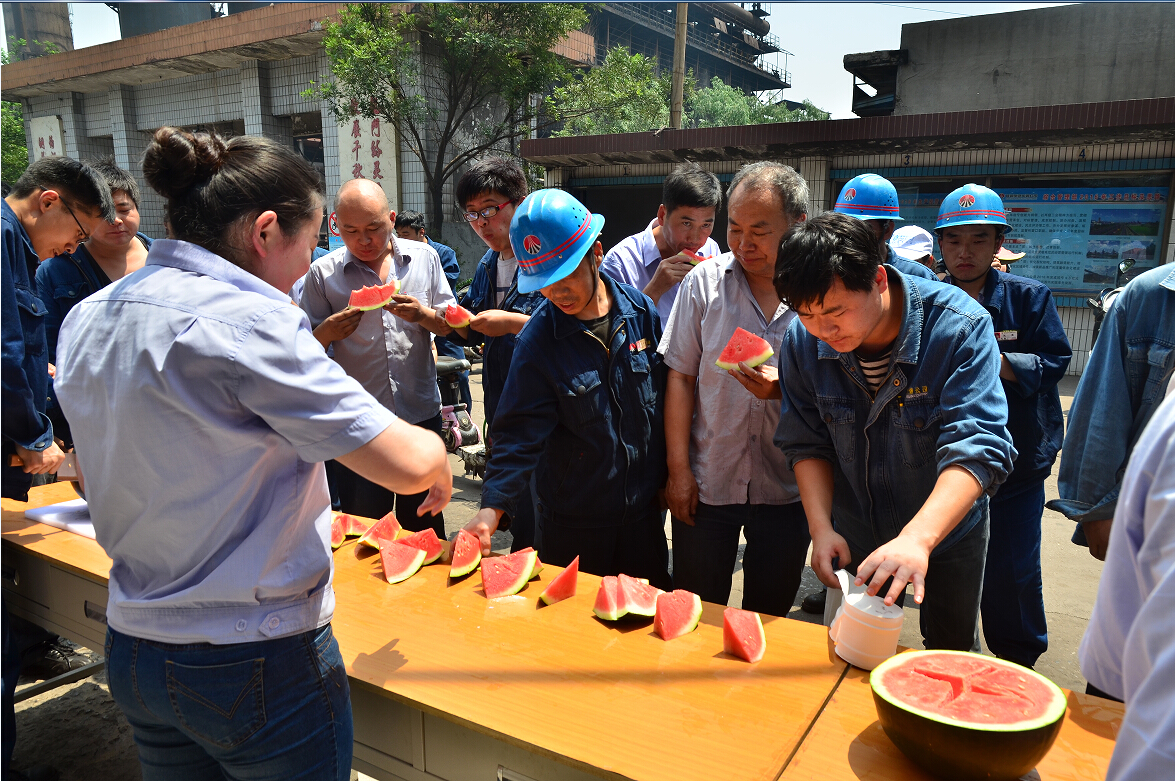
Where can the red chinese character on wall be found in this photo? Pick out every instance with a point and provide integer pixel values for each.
(356, 147)
(375, 127)
(375, 172)
(355, 131)
(357, 171)
(51, 145)
(376, 151)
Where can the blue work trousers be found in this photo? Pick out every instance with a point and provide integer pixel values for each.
(1014, 623)
(704, 554)
(268, 711)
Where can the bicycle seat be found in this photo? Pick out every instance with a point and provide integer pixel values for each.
(447, 365)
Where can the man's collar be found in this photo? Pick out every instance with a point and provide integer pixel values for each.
(650, 252)
(625, 307)
(1169, 281)
(909, 340)
(194, 258)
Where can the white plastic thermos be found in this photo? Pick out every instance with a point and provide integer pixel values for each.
(864, 629)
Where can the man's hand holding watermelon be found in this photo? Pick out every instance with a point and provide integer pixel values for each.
(410, 310)
(761, 381)
(498, 322)
(338, 326)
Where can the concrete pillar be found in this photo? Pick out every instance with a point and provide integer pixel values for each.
(78, 143)
(129, 145)
(815, 172)
(256, 107)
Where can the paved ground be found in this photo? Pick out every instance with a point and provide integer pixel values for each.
(79, 730)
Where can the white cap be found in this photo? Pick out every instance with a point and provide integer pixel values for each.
(912, 243)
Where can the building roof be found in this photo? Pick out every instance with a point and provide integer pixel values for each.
(1127, 120)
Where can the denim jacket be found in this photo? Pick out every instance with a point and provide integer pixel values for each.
(62, 282)
(25, 359)
(1119, 390)
(498, 349)
(941, 405)
(1030, 335)
(590, 419)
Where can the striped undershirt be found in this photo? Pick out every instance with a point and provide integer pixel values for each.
(875, 369)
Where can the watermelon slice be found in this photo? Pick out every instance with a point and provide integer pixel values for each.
(466, 554)
(502, 576)
(428, 542)
(383, 530)
(457, 316)
(693, 259)
(538, 567)
(352, 526)
(966, 716)
(746, 347)
(678, 613)
(400, 562)
(374, 297)
(338, 532)
(742, 634)
(563, 586)
(640, 599)
(609, 600)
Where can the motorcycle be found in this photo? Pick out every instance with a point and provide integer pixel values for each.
(458, 430)
(1105, 299)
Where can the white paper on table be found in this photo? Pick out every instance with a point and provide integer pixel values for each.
(72, 516)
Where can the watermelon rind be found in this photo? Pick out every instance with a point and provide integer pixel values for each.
(966, 750)
(741, 628)
(382, 292)
(466, 554)
(538, 567)
(735, 351)
(457, 316)
(398, 563)
(608, 606)
(563, 585)
(386, 528)
(678, 613)
(337, 533)
(428, 542)
(503, 576)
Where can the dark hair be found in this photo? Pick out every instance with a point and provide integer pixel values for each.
(212, 185)
(410, 219)
(492, 174)
(76, 182)
(788, 185)
(815, 251)
(117, 178)
(692, 187)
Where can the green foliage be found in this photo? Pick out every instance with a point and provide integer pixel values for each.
(14, 155)
(623, 94)
(457, 78)
(722, 106)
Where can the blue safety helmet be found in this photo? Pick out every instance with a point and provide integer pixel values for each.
(869, 197)
(972, 204)
(551, 232)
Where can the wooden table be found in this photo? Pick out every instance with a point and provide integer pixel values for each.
(447, 684)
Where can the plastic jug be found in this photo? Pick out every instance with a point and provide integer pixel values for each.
(864, 630)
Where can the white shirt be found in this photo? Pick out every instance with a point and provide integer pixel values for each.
(635, 259)
(1129, 646)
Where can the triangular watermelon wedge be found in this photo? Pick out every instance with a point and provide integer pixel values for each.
(338, 532)
(374, 296)
(693, 258)
(744, 346)
(678, 614)
(428, 542)
(640, 599)
(563, 586)
(352, 526)
(466, 554)
(742, 634)
(400, 562)
(457, 316)
(502, 576)
(609, 601)
(385, 529)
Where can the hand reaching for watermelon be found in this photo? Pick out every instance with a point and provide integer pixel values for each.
(338, 326)
(669, 272)
(483, 526)
(905, 558)
(761, 381)
(498, 322)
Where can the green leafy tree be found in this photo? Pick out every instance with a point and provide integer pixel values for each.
(808, 112)
(14, 155)
(459, 79)
(720, 105)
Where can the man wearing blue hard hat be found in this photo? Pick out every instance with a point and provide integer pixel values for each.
(1034, 354)
(583, 404)
(874, 200)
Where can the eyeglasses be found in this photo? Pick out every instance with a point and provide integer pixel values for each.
(82, 231)
(485, 213)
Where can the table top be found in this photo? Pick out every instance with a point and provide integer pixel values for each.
(847, 741)
(73, 552)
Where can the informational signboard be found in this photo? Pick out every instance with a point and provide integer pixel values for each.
(47, 136)
(367, 150)
(1073, 239)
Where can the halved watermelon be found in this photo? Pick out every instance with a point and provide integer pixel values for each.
(428, 542)
(373, 297)
(457, 316)
(502, 576)
(563, 586)
(385, 529)
(640, 599)
(352, 526)
(466, 554)
(746, 347)
(609, 600)
(338, 532)
(742, 634)
(400, 562)
(678, 613)
(965, 716)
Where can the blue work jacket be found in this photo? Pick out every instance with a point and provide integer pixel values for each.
(941, 405)
(589, 418)
(911, 268)
(495, 361)
(1120, 388)
(25, 357)
(1030, 335)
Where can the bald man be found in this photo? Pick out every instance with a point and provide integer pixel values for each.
(389, 350)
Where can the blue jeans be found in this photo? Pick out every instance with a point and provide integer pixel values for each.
(278, 709)
(1013, 601)
(704, 554)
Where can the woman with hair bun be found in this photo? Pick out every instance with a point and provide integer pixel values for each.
(202, 410)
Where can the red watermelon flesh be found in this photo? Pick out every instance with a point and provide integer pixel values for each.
(502, 576)
(337, 533)
(374, 296)
(428, 542)
(400, 562)
(640, 599)
(609, 601)
(352, 526)
(563, 586)
(694, 259)
(742, 634)
(678, 613)
(744, 347)
(383, 530)
(466, 554)
(538, 567)
(457, 316)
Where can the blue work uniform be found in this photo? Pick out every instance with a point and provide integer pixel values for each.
(909, 267)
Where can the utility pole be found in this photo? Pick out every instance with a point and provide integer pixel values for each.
(675, 105)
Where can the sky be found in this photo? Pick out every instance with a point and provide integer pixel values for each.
(818, 35)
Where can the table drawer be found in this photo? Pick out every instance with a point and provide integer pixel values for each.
(26, 576)
(80, 602)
